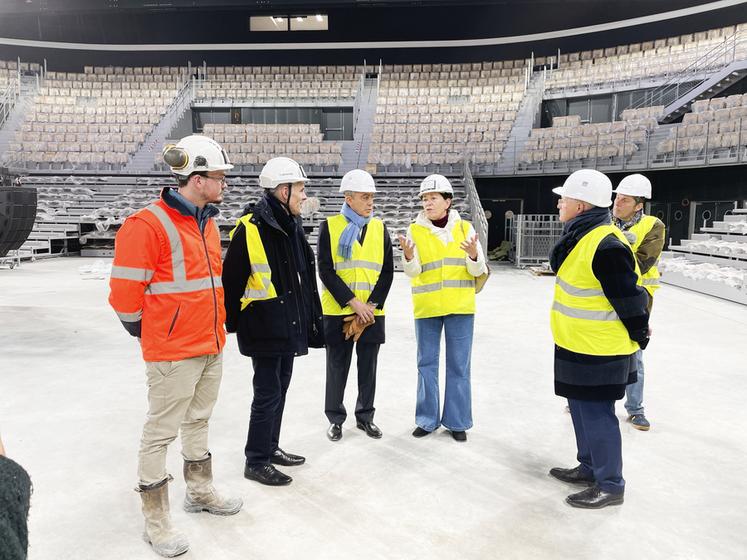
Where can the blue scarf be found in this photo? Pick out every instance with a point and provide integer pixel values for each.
(351, 232)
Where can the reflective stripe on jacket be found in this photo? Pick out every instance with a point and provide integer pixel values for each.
(444, 286)
(361, 272)
(167, 274)
(259, 285)
(582, 318)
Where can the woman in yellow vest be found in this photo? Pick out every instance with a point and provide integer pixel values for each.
(599, 320)
(442, 256)
(356, 268)
(646, 235)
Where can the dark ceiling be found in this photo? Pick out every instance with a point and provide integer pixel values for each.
(186, 25)
(109, 6)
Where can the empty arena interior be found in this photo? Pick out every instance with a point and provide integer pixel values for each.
(506, 99)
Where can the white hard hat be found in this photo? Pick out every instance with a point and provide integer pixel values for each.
(588, 185)
(634, 185)
(357, 180)
(279, 171)
(195, 153)
(435, 183)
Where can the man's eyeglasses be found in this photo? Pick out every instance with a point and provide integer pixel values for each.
(221, 180)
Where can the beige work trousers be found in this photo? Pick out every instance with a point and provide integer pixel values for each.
(181, 395)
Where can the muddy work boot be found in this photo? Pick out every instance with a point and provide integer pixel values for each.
(201, 495)
(158, 530)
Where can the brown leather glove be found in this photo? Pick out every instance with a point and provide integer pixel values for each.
(351, 327)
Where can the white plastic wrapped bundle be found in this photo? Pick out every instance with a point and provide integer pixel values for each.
(734, 277)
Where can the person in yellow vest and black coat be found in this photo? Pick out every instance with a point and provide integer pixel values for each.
(646, 234)
(443, 257)
(356, 267)
(599, 319)
(273, 306)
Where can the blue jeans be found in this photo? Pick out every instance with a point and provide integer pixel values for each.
(634, 392)
(457, 413)
(598, 442)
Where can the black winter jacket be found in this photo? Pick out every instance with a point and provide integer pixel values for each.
(601, 378)
(289, 323)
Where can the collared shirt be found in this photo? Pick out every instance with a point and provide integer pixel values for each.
(179, 202)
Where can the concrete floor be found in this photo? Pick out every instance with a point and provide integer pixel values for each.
(72, 400)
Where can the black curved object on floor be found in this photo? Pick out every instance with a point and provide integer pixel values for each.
(17, 216)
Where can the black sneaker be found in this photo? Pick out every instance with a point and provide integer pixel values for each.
(459, 436)
(639, 422)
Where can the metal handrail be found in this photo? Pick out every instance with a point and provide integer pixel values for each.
(8, 100)
(591, 86)
(479, 220)
(185, 92)
(681, 152)
(358, 97)
(716, 58)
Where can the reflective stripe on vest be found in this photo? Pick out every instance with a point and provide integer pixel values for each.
(175, 240)
(641, 230)
(582, 318)
(361, 272)
(130, 317)
(444, 286)
(259, 285)
(132, 273)
(180, 284)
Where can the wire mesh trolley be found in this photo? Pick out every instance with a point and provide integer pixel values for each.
(532, 236)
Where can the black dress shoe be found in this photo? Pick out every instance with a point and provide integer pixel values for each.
(334, 433)
(595, 498)
(280, 457)
(420, 432)
(371, 429)
(572, 476)
(266, 474)
(459, 436)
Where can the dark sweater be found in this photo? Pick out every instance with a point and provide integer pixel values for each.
(15, 496)
(375, 334)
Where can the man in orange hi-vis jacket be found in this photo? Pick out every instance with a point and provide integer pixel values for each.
(166, 289)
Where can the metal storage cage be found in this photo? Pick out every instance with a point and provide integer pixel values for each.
(532, 236)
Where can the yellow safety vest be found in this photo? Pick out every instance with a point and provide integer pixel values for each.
(582, 318)
(641, 230)
(444, 286)
(259, 285)
(361, 272)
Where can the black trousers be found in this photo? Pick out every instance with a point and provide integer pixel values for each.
(599, 442)
(272, 376)
(338, 365)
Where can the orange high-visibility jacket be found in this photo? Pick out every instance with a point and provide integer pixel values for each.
(167, 276)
